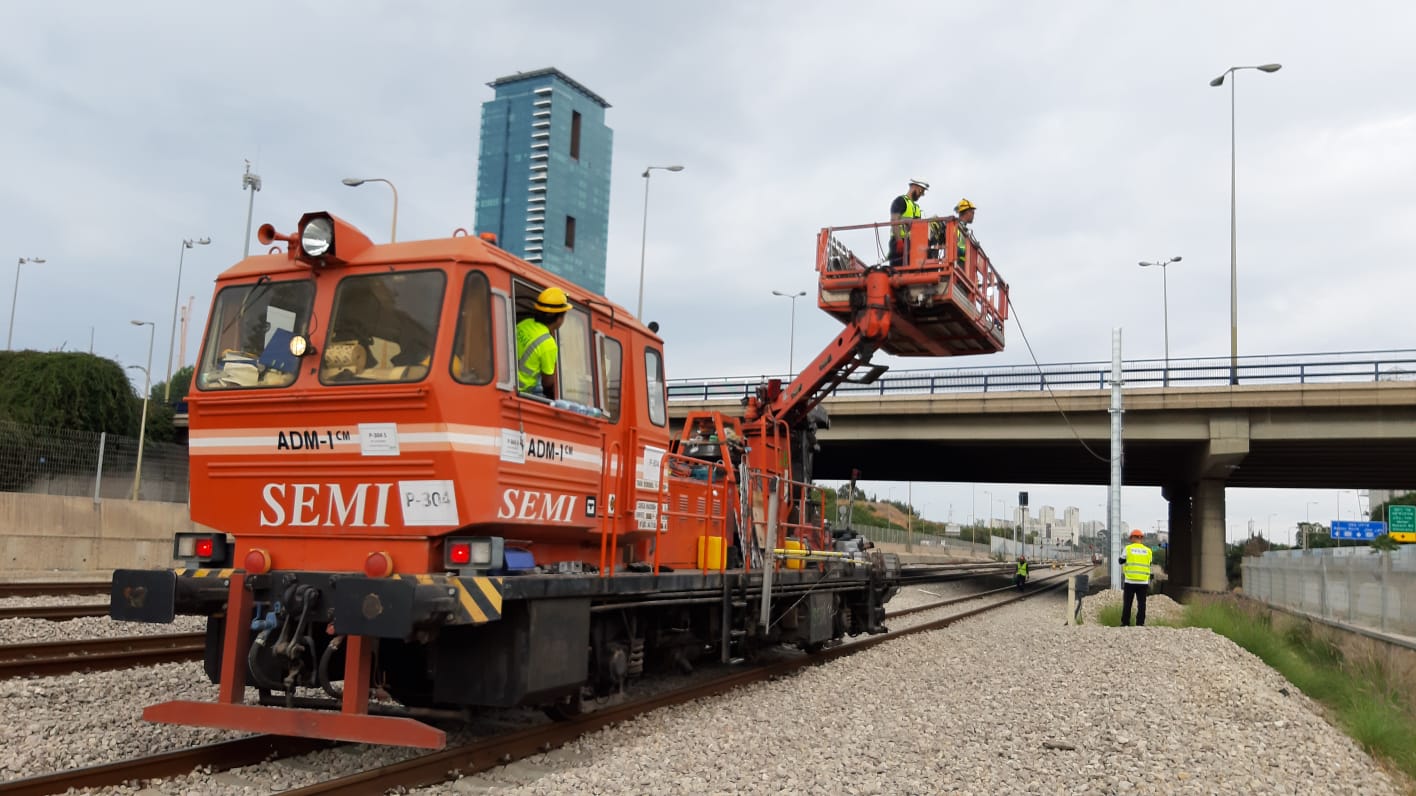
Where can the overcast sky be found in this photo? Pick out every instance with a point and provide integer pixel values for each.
(1085, 132)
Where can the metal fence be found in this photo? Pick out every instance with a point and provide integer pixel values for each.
(56, 461)
(1357, 366)
(1354, 585)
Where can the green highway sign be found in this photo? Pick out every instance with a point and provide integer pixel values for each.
(1402, 519)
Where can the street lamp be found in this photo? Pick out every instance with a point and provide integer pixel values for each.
(147, 388)
(644, 234)
(253, 182)
(354, 183)
(1165, 309)
(187, 243)
(791, 347)
(11, 336)
(1233, 239)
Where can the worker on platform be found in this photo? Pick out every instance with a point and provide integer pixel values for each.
(902, 210)
(536, 348)
(1136, 571)
(1021, 575)
(964, 212)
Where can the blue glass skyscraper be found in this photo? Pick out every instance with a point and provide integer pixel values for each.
(543, 175)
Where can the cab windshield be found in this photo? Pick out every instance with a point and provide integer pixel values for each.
(382, 327)
(248, 338)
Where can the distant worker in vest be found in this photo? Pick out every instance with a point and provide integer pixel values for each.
(1136, 571)
(1021, 575)
(964, 212)
(536, 349)
(902, 210)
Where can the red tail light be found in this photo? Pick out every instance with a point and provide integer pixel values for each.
(459, 553)
(203, 548)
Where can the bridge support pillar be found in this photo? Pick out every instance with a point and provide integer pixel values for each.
(1207, 538)
(1179, 568)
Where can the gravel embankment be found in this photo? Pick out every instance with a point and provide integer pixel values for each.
(33, 631)
(974, 708)
(982, 707)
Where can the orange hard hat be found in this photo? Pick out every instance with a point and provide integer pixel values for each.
(1137, 533)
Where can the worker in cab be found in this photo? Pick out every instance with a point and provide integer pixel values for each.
(536, 349)
(964, 212)
(1020, 576)
(902, 210)
(1136, 572)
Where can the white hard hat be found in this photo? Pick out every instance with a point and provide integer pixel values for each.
(920, 183)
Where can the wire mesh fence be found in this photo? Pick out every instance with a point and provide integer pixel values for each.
(56, 461)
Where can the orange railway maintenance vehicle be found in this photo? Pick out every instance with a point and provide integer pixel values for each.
(399, 535)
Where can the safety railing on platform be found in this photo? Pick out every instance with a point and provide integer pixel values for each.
(930, 253)
(1358, 366)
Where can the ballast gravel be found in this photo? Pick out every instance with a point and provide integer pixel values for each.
(1010, 702)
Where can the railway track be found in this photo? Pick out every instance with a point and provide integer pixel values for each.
(485, 754)
(54, 588)
(54, 613)
(95, 654)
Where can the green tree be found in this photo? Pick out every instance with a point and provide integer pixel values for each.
(67, 390)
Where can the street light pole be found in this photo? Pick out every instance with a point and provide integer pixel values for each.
(187, 243)
(253, 182)
(989, 495)
(1165, 309)
(14, 297)
(147, 390)
(1308, 521)
(1233, 234)
(355, 183)
(644, 234)
(791, 346)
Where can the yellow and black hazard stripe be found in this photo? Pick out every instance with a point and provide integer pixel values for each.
(479, 599)
(183, 572)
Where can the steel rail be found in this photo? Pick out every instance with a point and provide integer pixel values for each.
(53, 588)
(54, 613)
(49, 658)
(216, 756)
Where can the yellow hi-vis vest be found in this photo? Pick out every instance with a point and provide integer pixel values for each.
(1137, 568)
(911, 211)
(1023, 568)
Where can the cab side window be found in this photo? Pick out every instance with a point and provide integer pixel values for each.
(577, 377)
(472, 349)
(654, 386)
(611, 376)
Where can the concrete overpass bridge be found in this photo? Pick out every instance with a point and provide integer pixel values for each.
(1329, 421)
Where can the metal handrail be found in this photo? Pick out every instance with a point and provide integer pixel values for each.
(1316, 368)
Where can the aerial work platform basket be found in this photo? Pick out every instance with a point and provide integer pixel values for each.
(944, 304)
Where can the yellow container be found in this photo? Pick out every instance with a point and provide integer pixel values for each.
(794, 546)
(712, 554)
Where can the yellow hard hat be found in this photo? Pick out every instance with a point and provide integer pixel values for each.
(963, 205)
(552, 300)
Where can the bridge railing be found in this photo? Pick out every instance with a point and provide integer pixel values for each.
(1358, 366)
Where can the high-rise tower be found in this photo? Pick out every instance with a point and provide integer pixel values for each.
(543, 175)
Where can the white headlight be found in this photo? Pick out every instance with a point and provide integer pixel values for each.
(481, 552)
(299, 345)
(317, 237)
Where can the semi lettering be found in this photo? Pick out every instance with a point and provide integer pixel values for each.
(529, 504)
(303, 505)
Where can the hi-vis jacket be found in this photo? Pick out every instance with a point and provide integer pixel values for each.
(1137, 568)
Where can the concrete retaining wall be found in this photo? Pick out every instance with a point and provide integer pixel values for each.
(1345, 584)
(72, 534)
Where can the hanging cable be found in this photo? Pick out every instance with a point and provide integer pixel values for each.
(1043, 378)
